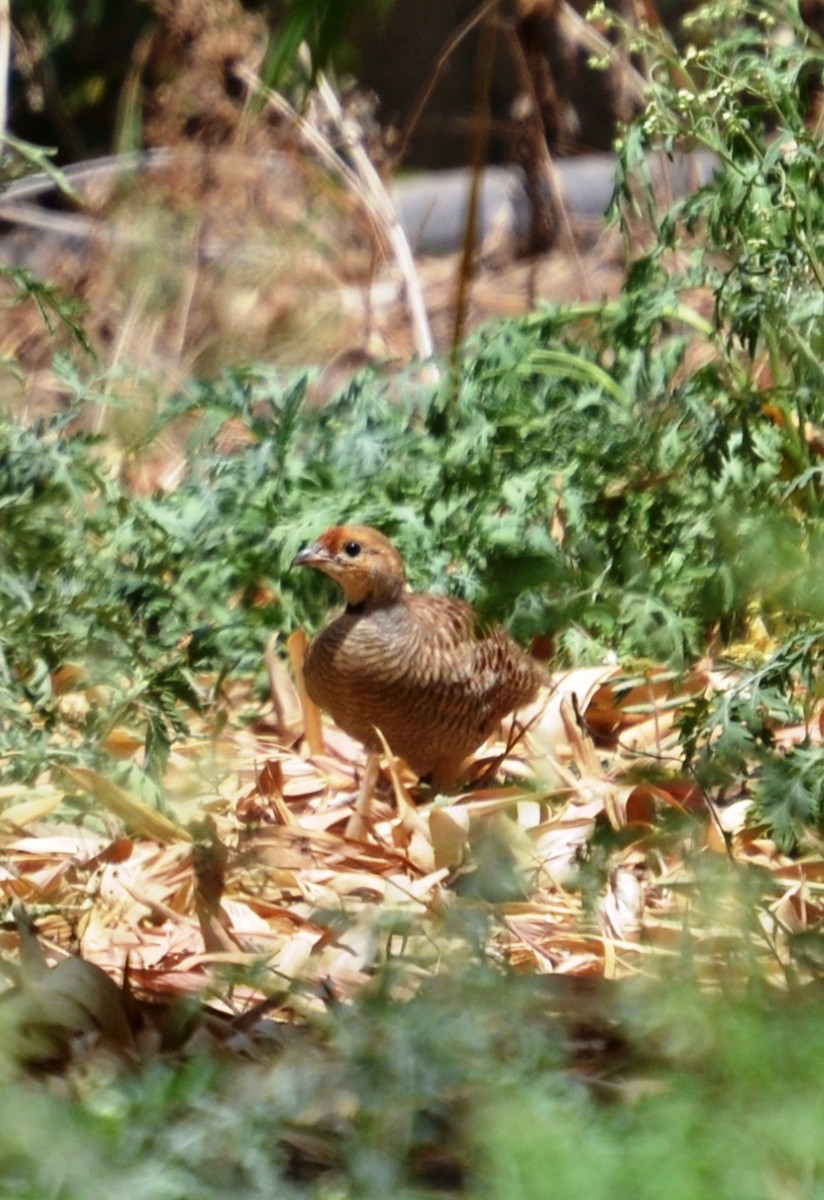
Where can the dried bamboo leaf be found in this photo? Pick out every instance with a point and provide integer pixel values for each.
(296, 646)
(34, 809)
(135, 813)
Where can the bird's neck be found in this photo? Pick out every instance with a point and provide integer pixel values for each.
(367, 595)
(364, 605)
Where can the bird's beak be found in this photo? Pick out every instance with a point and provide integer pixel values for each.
(310, 556)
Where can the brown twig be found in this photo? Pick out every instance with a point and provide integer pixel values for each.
(479, 144)
(441, 63)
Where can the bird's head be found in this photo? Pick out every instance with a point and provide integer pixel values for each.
(362, 561)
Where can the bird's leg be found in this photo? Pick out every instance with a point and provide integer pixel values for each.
(357, 827)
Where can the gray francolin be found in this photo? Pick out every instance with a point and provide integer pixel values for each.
(419, 667)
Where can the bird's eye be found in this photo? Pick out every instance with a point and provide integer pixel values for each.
(352, 549)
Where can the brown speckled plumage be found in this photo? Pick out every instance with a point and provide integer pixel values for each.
(417, 666)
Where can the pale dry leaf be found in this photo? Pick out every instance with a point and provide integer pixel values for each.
(286, 702)
(631, 805)
(621, 910)
(449, 833)
(56, 842)
(135, 813)
(559, 844)
(554, 714)
(32, 809)
(297, 644)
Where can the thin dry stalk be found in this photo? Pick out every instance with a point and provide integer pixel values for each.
(380, 205)
(313, 138)
(480, 141)
(5, 38)
(366, 184)
(440, 67)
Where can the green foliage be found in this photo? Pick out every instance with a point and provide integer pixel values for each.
(54, 307)
(743, 97)
(790, 794)
(721, 1119)
(741, 90)
(731, 739)
(586, 477)
(578, 476)
(483, 1085)
(78, 582)
(321, 25)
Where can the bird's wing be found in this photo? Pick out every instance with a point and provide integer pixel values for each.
(479, 654)
(451, 623)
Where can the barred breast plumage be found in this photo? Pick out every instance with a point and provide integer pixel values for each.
(419, 667)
